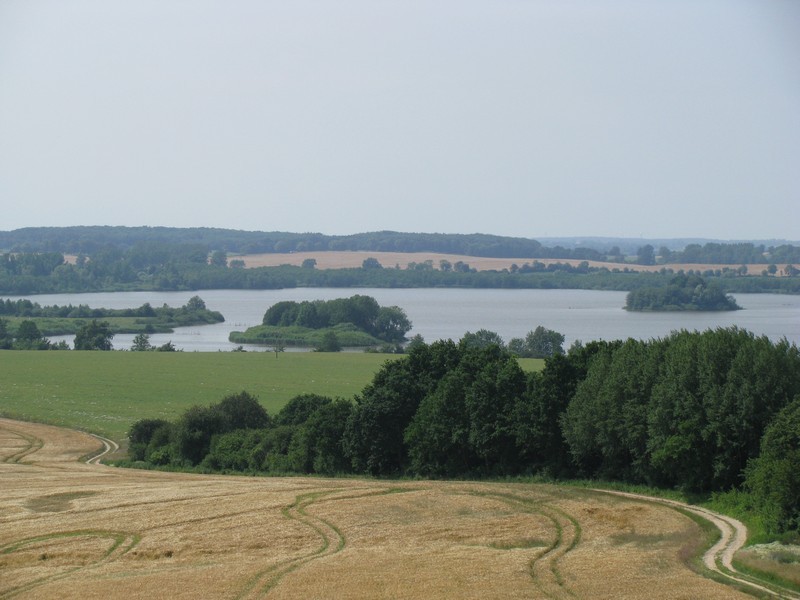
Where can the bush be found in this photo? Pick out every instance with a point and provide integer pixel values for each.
(141, 434)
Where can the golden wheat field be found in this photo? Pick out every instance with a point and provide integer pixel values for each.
(353, 259)
(74, 530)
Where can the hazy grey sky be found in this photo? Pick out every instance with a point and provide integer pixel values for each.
(529, 118)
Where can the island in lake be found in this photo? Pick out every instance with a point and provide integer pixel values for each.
(684, 292)
(328, 325)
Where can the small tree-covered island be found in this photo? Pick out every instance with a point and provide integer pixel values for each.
(328, 325)
(684, 292)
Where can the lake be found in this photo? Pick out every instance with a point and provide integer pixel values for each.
(448, 313)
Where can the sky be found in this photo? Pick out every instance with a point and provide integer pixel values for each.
(530, 118)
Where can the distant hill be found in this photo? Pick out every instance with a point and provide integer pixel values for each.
(89, 240)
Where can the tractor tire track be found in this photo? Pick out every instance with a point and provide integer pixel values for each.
(33, 444)
(122, 543)
(331, 537)
(544, 567)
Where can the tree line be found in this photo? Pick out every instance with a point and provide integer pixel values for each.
(193, 312)
(740, 253)
(24, 324)
(702, 412)
(92, 335)
(170, 268)
(91, 240)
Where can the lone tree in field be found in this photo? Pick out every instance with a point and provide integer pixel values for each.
(95, 335)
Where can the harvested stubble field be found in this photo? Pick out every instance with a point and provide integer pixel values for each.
(74, 530)
(354, 259)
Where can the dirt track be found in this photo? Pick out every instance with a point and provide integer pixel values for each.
(719, 558)
(69, 529)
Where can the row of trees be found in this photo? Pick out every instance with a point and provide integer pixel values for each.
(538, 343)
(194, 311)
(732, 254)
(65, 320)
(741, 253)
(106, 273)
(92, 335)
(687, 411)
(26, 337)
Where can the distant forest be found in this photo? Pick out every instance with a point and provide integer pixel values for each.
(93, 239)
(125, 259)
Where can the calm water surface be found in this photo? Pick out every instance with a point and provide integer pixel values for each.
(447, 313)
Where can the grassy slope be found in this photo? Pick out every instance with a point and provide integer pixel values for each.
(104, 392)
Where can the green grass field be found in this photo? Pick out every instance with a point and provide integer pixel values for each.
(104, 392)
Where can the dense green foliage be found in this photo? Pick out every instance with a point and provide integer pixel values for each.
(389, 324)
(94, 335)
(689, 411)
(328, 325)
(774, 477)
(25, 336)
(695, 411)
(734, 254)
(684, 292)
(539, 343)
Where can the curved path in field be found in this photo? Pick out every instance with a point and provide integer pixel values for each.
(109, 446)
(719, 558)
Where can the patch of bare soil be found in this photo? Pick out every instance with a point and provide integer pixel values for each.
(74, 530)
